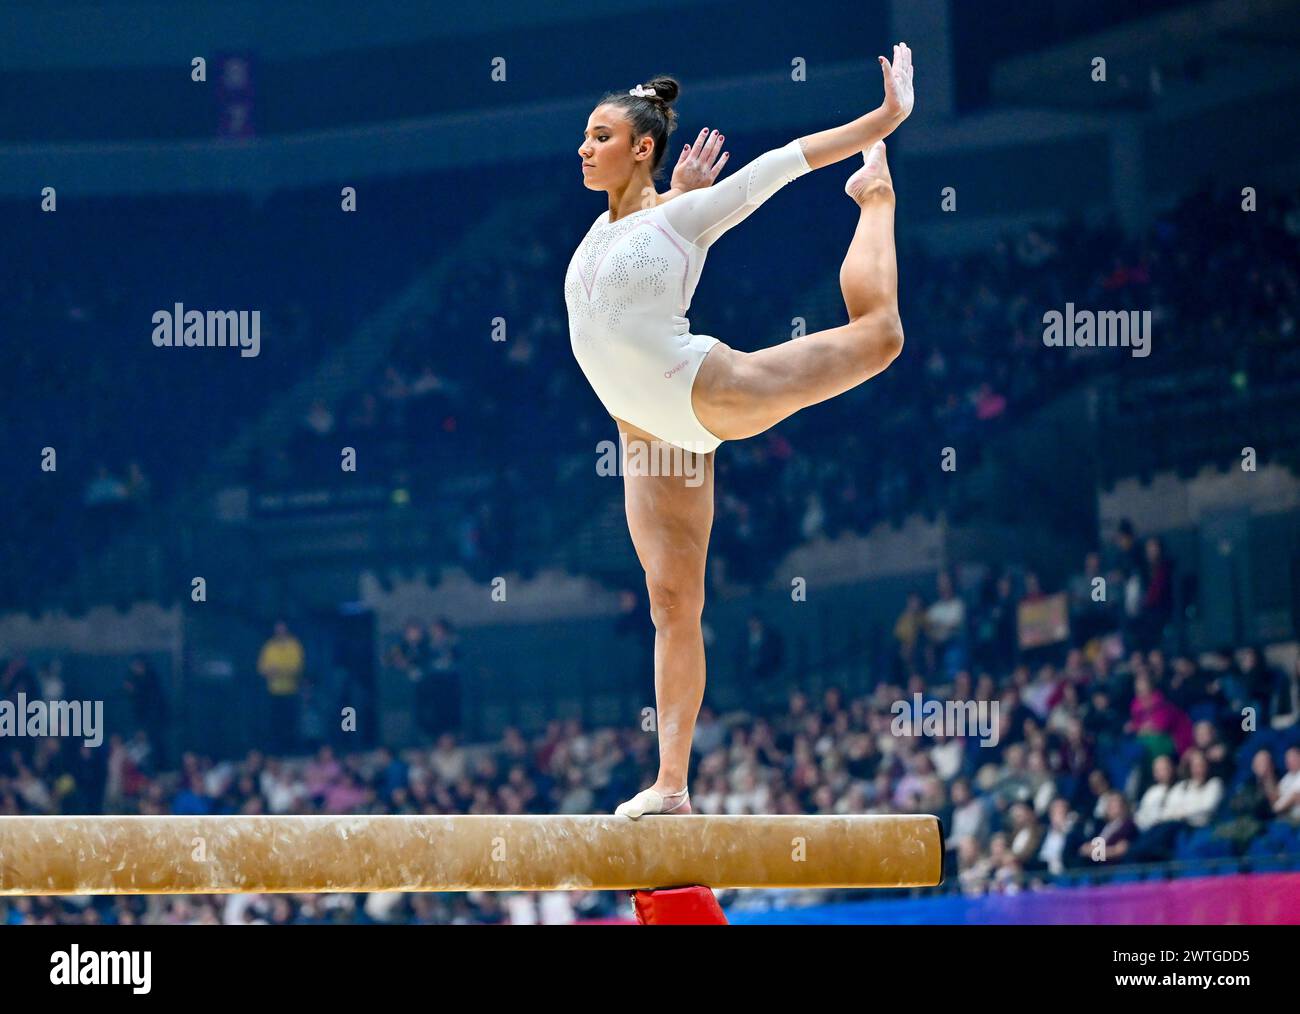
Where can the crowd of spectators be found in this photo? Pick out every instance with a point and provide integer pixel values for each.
(1122, 600)
(1107, 757)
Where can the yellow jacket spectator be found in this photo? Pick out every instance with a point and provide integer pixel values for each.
(281, 662)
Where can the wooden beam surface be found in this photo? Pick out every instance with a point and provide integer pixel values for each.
(211, 855)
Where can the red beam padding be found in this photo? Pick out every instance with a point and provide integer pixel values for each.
(678, 906)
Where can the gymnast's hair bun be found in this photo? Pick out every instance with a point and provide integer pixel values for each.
(666, 89)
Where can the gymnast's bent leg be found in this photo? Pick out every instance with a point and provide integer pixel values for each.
(740, 394)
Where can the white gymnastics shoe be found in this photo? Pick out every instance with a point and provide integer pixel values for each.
(649, 801)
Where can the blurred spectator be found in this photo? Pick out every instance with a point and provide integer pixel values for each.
(1287, 805)
(995, 626)
(281, 663)
(1284, 709)
(1158, 724)
(634, 625)
(1157, 596)
(764, 653)
(1092, 611)
(909, 629)
(148, 701)
(1154, 807)
(945, 628)
(438, 689)
(1061, 842)
(1250, 806)
(1027, 835)
(1117, 833)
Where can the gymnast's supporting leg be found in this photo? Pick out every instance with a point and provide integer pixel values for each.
(670, 518)
(740, 394)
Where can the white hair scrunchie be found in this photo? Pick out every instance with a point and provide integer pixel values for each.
(640, 91)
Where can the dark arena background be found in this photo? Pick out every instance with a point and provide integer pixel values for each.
(369, 564)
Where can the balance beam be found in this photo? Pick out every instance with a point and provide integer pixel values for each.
(226, 855)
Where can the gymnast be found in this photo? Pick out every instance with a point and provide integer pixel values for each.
(627, 290)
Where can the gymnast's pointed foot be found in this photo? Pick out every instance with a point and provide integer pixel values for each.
(650, 801)
(873, 179)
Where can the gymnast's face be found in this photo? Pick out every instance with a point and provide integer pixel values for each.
(609, 152)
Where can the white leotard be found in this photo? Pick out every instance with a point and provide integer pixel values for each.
(630, 283)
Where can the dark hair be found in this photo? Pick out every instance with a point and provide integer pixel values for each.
(650, 114)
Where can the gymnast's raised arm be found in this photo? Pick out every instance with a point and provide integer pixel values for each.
(702, 216)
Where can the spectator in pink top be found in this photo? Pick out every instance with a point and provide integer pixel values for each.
(321, 772)
(1161, 726)
(345, 795)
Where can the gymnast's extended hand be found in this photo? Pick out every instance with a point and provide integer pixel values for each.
(899, 96)
(827, 147)
(699, 165)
